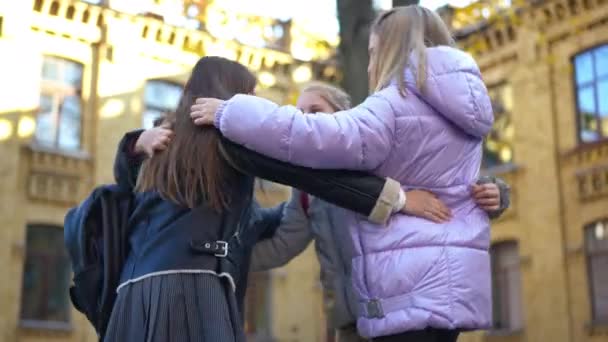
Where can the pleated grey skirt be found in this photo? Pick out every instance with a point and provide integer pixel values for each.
(177, 307)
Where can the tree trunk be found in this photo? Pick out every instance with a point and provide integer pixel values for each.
(354, 17)
(405, 2)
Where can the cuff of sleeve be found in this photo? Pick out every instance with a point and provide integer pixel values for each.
(386, 202)
(218, 114)
(131, 140)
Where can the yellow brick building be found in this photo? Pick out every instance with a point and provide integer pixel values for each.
(75, 77)
(545, 65)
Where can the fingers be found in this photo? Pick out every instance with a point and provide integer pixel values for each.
(444, 212)
(488, 190)
(489, 204)
(487, 196)
(490, 207)
(488, 201)
(433, 216)
(202, 100)
(202, 114)
(437, 212)
(204, 121)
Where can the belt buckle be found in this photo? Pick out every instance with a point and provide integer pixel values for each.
(223, 245)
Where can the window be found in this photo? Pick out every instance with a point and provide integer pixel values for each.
(498, 146)
(160, 97)
(46, 277)
(258, 306)
(506, 286)
(596, 246)
(591, 84)
(59, 120)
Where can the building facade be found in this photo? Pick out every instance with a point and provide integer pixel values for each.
(75, 76)
(546, 66)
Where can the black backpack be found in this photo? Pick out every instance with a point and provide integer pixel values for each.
(96, 236)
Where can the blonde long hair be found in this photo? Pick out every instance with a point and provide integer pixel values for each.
(405, 32)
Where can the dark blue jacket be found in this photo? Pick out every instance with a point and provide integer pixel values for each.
(166, 236)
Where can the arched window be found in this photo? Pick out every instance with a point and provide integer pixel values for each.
(160, 97)
(591, 84)
(596, 249)
(506, 286)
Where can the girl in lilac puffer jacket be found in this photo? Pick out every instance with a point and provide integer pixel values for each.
(416, 280)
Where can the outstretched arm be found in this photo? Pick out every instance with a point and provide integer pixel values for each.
(370, 195)
(356, 139)
(362, 192)
(291, 237)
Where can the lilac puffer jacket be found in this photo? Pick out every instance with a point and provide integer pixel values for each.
(413, 273)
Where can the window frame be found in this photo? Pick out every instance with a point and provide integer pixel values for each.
(59, 91)
(36, 323)
(594, 83)
(513, 327)
(151, 107)
(499, 85)
(589, 254)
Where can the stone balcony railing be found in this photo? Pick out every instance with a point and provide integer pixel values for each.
(56, 177)
(486, 28)
(593, 183)
(74, 19)
(588, 166)
(563, 17)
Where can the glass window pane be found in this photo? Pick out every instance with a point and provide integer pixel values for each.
(162, 95)
(62, 70)
(583, 65)
(46, 122)
(498, 148)
(46, 276)
(587, 114)
(72, 74)
(602, 97)
(149, 116)
(586, 100)
(587, 135)
(596, 238)
(601, 61)
(599, 278)
(506, 285)
(50, 69)
(69, 123)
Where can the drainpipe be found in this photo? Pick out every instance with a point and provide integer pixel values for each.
(98, 49)
(560, 194)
